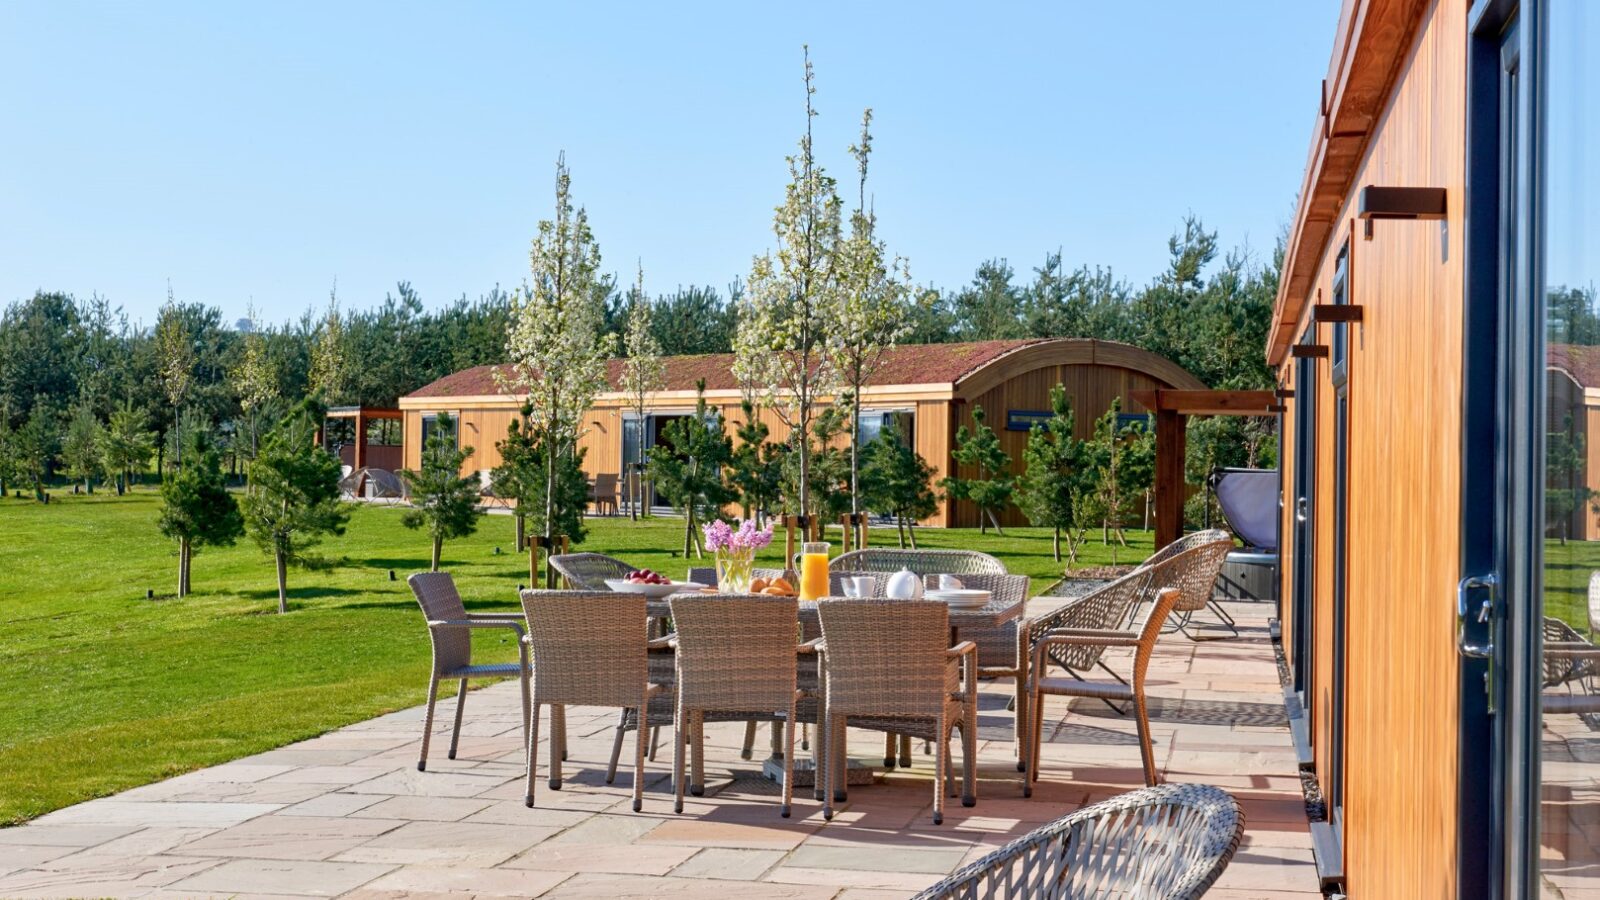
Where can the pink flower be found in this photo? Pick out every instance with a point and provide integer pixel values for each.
(721, 536)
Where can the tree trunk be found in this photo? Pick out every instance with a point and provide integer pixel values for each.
(183, 568)
(855, 467)
(438, 548)
(900, 530)
(1055, 543)
(996, 520)
(551, 450)
(283, 581)
(688, 533)
(911, 529)
(533, 564)
(805, 466)
(522, 529)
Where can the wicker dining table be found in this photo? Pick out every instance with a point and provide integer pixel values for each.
(990, 615)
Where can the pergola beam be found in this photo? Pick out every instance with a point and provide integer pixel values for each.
(1172, 409)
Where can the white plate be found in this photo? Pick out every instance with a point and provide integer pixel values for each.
(963, 598)
(653, 591)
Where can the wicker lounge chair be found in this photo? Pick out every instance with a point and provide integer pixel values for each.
(589, 571)
(1199, 593)
(735, 658)
(1041, 685)
(591, 654)
(1157, 843)
(888, 667)
(450, 629)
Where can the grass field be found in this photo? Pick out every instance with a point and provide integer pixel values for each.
(106, 690)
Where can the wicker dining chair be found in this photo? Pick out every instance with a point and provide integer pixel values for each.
(1041, 685)
(589, 571)
(1198, 592)
(450, 629)
(736, 658)
(588, 654)
(887, 666)
(889, 560)
(1170, 842)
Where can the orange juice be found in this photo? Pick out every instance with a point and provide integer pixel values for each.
(814, 571)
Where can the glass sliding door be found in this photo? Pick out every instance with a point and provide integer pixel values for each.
(1565, 671)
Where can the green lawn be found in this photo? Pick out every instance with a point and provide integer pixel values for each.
(106, 690)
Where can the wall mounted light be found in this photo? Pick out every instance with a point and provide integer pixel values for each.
(1399, 203)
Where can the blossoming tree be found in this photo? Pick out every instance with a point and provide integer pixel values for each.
(643, 373)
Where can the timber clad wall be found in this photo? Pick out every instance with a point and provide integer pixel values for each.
(940, 382)
(1404, 481)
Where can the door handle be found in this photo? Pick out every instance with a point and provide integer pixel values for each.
(1475, 610)
(1300, 505)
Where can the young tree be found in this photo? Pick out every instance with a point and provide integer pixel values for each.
(175, 356)
(872, 309)
(557, 349)
(687, 469)
(1120, 476)
(519, 478)
(443, 501)
(897, 480)
(756, 468)
(81, 458)
(643, 373)
(197, 510)
(784, 322)
(991, 485)
(1053, 474)
(296, 497)
(10, 471)
(830, 468)
(34, 445)
(255, 382)
(126, 444)
(1565, 492)
(330, 364)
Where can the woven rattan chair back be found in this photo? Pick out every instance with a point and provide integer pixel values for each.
(1186, 543)
(1104, 609)
(587, 652)
(1193, 571)
(887, 657)
(1169, 842)
(436, 594)
(589, 571)
(736, 651)
(888, 560)
(996, 646)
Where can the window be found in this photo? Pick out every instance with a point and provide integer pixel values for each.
(431, 422)
(383, 432)
(875, 421)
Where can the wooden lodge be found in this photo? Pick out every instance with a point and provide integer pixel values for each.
(927, 390)
(1441, 392)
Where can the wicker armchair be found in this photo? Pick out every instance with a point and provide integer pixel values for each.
(589, 571)
(887, 667)
(1041, 685)
(1157, 843)
(450, 629)
(736, 658)
(589, 654)
(887, 561)
(1199, 587)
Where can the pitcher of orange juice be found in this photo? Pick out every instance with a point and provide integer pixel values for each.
(813, 570)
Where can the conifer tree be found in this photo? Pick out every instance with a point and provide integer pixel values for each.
(687, 469)
(1053, 473)
(896, 479)
(197, 510)
(979, 449)
(81, 458)
(295, 496)
(126, 444)
(443, 501)
(755, 470)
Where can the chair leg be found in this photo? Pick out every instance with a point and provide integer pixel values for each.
(1146, 752)
(558, 743)
(616, 746)
(680, 736)
(969, 760)
(830, 748)
(840, 777)
(527, 695)
(788, 763)
(777, 737)
(638, 758)
(888, 749)
(461, 704)
(655, 738)
(697, 754)
(427, 723)
(905, 751)
(533, 753)
(1020, 726)
(940, 760)
(749, 740)
(805, 736)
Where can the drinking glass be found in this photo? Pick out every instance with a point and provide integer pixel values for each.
(813, 570)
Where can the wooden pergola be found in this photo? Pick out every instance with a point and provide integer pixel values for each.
(1172, 409)
(360, 415)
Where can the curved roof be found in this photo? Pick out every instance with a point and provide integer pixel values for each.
(966, 367)
(1579, 362)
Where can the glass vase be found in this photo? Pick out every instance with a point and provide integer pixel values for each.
(734, 569)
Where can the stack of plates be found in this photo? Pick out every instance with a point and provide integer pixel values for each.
(963, 598)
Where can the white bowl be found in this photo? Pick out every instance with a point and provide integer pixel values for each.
(653, 591)
(962, 598)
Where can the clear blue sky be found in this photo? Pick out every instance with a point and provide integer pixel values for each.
(265, 150)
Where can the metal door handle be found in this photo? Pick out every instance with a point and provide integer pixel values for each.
(1468, 646)
(1300, 505)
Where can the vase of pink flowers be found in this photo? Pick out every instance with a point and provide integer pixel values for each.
(735, 551)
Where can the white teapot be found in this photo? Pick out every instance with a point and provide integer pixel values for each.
(904, 585)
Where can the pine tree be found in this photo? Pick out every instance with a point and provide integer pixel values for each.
(1122, 470)
(443, 500)
(1053, 473)
(81, 458)
(295, 496)
(127, 444)
(990, 489)
(687, 469)
(896, 480)
(197, 510)
(755, 470)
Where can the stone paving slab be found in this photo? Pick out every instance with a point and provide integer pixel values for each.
(348, 814)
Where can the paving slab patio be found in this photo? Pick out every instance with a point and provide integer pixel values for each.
(348, 814)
